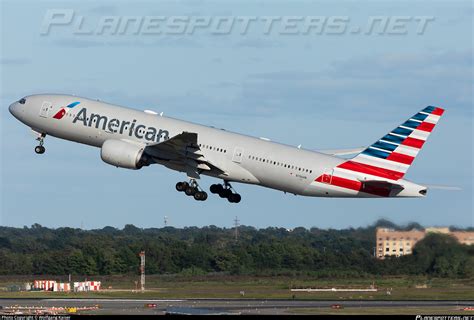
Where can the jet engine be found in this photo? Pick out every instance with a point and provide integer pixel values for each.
(123, 154)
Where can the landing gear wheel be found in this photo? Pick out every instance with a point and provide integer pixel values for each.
(40, 149)
(181, 186)
(225, 193)
(192, 188)
(200, 196)
(190, 191)
(216, 188)
(234, 198)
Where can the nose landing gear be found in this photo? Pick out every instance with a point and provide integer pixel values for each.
(192, 189)
(40, 149)
(225, 191)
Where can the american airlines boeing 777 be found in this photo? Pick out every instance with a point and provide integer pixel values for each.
(132, 139)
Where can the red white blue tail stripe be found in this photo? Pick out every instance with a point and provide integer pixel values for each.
(389, 157)
(393, 154)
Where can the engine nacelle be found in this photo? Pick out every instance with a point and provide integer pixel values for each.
(123, 154)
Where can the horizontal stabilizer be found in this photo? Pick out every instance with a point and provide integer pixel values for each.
(342, 152)
(441, 187)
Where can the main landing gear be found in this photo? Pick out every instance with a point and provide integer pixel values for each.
(192, 189)
(225, 191)
(40, 149)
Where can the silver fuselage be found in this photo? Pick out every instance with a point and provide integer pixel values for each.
(243, 158)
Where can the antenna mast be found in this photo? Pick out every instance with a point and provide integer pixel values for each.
(236, 228)
(142, 270)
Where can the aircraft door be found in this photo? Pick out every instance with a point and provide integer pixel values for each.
(44, 111)
(238, 153)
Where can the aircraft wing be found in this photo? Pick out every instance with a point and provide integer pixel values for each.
(342, 152)
(182, 150)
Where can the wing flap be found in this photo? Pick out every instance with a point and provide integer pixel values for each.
(183, 149)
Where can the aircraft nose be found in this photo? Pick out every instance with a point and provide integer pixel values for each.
(16, 110)
(12, 108)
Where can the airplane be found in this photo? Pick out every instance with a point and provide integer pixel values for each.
(131, 139)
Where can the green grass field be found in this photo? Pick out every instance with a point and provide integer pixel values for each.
(223, 286)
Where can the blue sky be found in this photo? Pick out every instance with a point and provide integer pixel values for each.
(323, 91)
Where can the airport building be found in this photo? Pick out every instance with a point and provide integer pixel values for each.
(397, 243)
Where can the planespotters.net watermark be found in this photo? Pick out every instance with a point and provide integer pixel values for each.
(120, 25)
(444, 317)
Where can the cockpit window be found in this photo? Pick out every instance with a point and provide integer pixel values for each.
(22, 101)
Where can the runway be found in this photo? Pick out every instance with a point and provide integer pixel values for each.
(216, 306)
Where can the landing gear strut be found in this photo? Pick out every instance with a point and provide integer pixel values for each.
(225, 191)
(40, 149)
(192, 188)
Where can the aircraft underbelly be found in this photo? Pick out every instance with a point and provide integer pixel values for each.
(318, 189)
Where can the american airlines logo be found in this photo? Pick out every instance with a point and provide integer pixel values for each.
(60, 114)
(114, 125)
